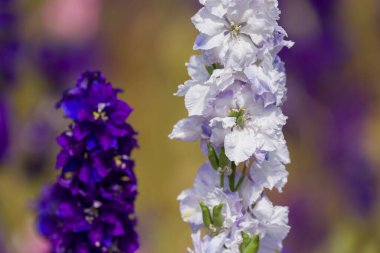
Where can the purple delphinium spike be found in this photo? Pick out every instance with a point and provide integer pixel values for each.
(91, 206)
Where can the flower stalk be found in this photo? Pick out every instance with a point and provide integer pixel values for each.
(90, 208)
(234, 99)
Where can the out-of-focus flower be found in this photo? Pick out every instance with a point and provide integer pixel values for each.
(324, 80)
(29, 241)
(38, 135)
(8, 42)
(307, 233)
(71, 20)
(354, 173)
(60, 63)
(91, 206)
(4, 129)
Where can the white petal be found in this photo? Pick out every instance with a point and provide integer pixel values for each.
(190, 209)
(196, 67)
(207, 23)
(221, 78)
(183, 88)
(206, 42)
(263, 210)
(225, 122)
(250, 192)
(241, 52)
(215, 245)
(218, 135)
(188, 129)
(206, 180)
(240, 144)
(195, 99)
(269, 174)
(216, 7)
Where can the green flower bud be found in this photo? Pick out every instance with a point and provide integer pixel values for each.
(223, 159)
(245, 242)
(207, 220)
(249, 244)
(212, 156)
(217, 216)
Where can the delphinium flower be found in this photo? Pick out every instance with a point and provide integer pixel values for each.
(91, 206)
(233, 100)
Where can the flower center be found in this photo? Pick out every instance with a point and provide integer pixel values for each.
(235, 29)
(240, 116)
(210, 68)
(100, 113)
(120, 161)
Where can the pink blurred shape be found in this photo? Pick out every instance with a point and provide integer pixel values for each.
(29, 241)
(71, 20)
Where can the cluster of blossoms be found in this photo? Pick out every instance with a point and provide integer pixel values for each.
(233, 100)
(91, 206)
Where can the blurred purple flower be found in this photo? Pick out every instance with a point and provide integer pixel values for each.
(325, 9)
(8, 42)
(309, 226)
(38, 139)
(4, 129)
(318, 63)
(345, 152)
(91, 206)
(61, 63)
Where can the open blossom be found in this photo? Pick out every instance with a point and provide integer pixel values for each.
(266, 221)
(233, 102)
(235, 31)
(237, 120)
(91, 206)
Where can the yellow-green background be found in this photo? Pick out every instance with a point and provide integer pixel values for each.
(145, 44)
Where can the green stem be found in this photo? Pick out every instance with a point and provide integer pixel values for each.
(231, 178)
(222, 180)
(242, 176)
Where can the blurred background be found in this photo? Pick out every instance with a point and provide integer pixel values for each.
(333, 106)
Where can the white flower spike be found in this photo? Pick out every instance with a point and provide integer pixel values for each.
(234, 99)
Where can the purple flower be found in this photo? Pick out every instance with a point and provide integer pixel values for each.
(4, 131)
(324, 79)
(8, 42)
(61, 63)
(91, 206)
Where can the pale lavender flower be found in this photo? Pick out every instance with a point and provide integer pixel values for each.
(233, 101)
